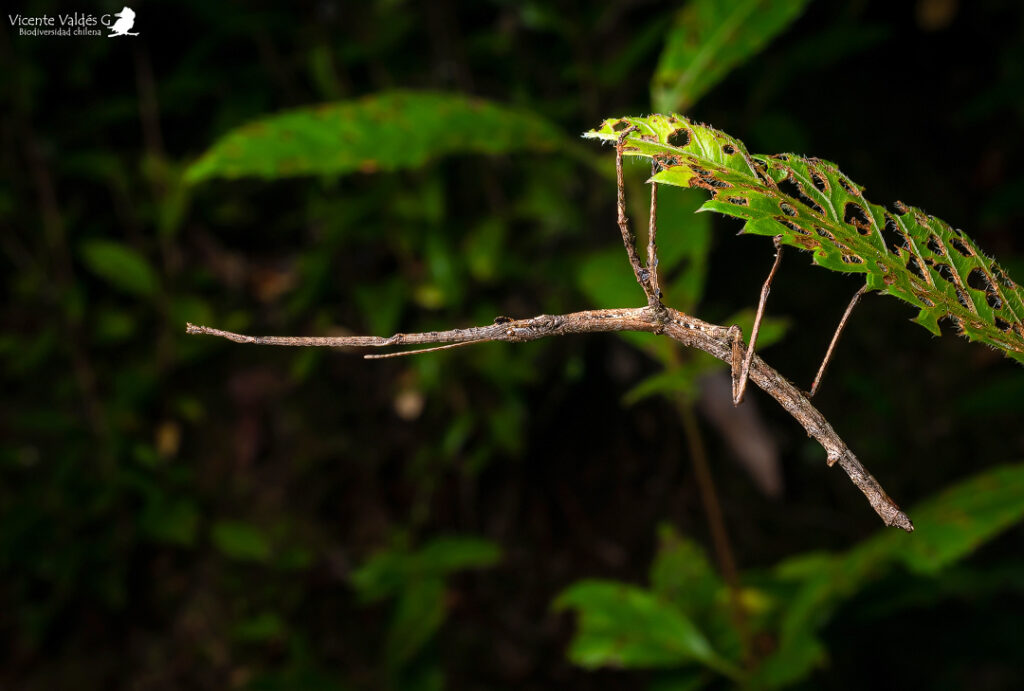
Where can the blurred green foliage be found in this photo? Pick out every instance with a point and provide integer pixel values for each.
(709, 39)
(183, 513)
(685, 614)
(386, 132)
(416, 581)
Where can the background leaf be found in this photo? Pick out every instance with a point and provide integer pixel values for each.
(948, 527)
(418, 616)
(120, 266)
(386, 131)
(625, 626)
(708, 39)
(240, 541)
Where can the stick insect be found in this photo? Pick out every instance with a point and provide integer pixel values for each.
(724, 343)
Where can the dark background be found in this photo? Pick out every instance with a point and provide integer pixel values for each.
(124, 444)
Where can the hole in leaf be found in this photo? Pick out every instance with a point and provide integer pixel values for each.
(787, 209)
(1002, 325)
(945, 272)
(926, 301)
(935, 246)
(794, 190)
(780, 157)
(915, 268)
(708, 183)
(620, 125)
(893, 237)
(900, 207)
(852, 259)
(819, 181)
(978, 280)
(824, 233)
(845, 184)
(759, 169)
(957, 324)
(679, 137)
(961, 297)
(728, 149)
(738, 201)
(792, 226)
(962, 248)
(854, 214)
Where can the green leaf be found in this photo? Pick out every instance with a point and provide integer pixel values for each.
(417, 618)
(953, 524)
(417, 579)
(680, 379)
(682, 574)
(624, 626)
(174, 522)
(811, 205)
(709, 39)
(240, 541)
(262, 627)
(120, 266)
(445, 554)
(948, 527)
(386, 131)
(380, 576)
(388, 571)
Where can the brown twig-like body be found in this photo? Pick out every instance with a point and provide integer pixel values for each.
(724, 343)
(715, 340)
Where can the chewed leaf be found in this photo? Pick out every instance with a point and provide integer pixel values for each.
(385, 131)
(811, 205)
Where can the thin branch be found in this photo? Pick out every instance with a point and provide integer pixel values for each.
(717, 341)
(835, 339)
(643, 276)
(741, 385)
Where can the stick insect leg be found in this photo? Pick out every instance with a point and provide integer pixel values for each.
(741, 386)
(403, 353)
(652, 242)
(835, 339)
(643, 276)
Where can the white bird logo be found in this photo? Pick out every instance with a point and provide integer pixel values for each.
(122, 27)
